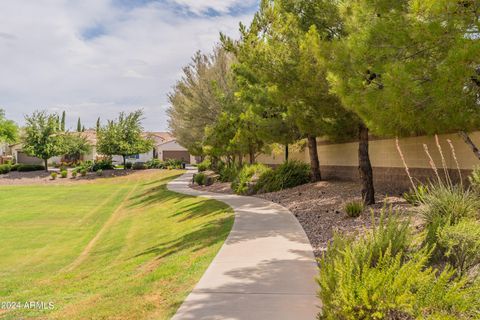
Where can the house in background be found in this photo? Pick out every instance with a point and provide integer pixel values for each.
(165, 147)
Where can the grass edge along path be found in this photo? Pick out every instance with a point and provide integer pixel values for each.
(122, 248)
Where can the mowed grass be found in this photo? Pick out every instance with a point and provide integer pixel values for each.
(119, 248)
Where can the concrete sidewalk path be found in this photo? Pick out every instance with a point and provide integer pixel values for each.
(265, 269)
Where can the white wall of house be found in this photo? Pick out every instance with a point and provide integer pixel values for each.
(144, 157)
(173, 146)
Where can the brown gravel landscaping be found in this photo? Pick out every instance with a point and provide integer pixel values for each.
(319, 207)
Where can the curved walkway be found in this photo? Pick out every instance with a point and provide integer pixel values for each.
(265, 270)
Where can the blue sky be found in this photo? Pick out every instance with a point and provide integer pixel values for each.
(94, 58)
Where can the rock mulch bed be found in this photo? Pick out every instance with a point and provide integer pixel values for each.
(42, 177)
(319, 207)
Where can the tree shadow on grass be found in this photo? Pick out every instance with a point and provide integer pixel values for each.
(204, 236)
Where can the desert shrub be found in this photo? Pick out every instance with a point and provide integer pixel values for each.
(30, 167)
(416, 196)
(445, 205)
(204, 165)
(228, 173)
(373, 278)
(53, 175)
(474, 179)
(288, 175)
(354, 208)
(63, 174)
(87, 165)
(173, 164)
(155, 164)
(74, 173)
(200, 179)
(244, 182)
(104, 164)
(461, 244)
(139, 166)
(5, 168)
(83, 172)
(128, 165)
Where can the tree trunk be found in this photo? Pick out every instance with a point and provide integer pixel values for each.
(470, 143)
(45, 161)
(314, 162)
(124, 163)
(251, 155)
(365, 167)
(287, 151)
(240, 159)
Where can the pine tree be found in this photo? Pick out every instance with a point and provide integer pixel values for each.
(62, 123)
(79, 125)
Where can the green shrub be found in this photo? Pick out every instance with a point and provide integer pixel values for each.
(87, 165)
(461, 244)
(155, 164)
(173, 164)
(74, 173)
(354, 208)
(244, 182)
(30, 167)
(99, 172)
(288, 175)
(139, 166)
(445, 205)
(204, 165)
(53, 175)
(105, 164)
(83, 172)
(228, 173)
(14, 167)
(63, 174)
(416, 196)
(200, 179)
(474, 179)
(5, 168)
(128, 165)
(373, 278)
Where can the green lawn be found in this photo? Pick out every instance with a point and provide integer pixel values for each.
(119, 248)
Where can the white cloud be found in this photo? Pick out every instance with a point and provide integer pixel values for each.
(93, 59)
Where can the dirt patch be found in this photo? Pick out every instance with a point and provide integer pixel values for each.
(43, 177)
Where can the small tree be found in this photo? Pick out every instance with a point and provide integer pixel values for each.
(75, 145)
(62, 123)
(42, 138)
(124, 136)
(8, 129)
(79, 125)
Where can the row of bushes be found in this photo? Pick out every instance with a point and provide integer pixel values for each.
(167, 164)
(392, 273)
(6, 168)
(258, 178)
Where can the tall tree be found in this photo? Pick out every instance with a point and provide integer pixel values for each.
(75, 145)
(42, 138)
(410, 67)
(62, 123)
(8, 129)
(98, 124)
(79, 125)
(285, 41)
(194, 102)
(124, 136)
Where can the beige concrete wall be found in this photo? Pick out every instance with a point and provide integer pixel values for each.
(384, 154)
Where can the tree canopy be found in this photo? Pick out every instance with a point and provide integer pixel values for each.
(123, 136)
(8, 129)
